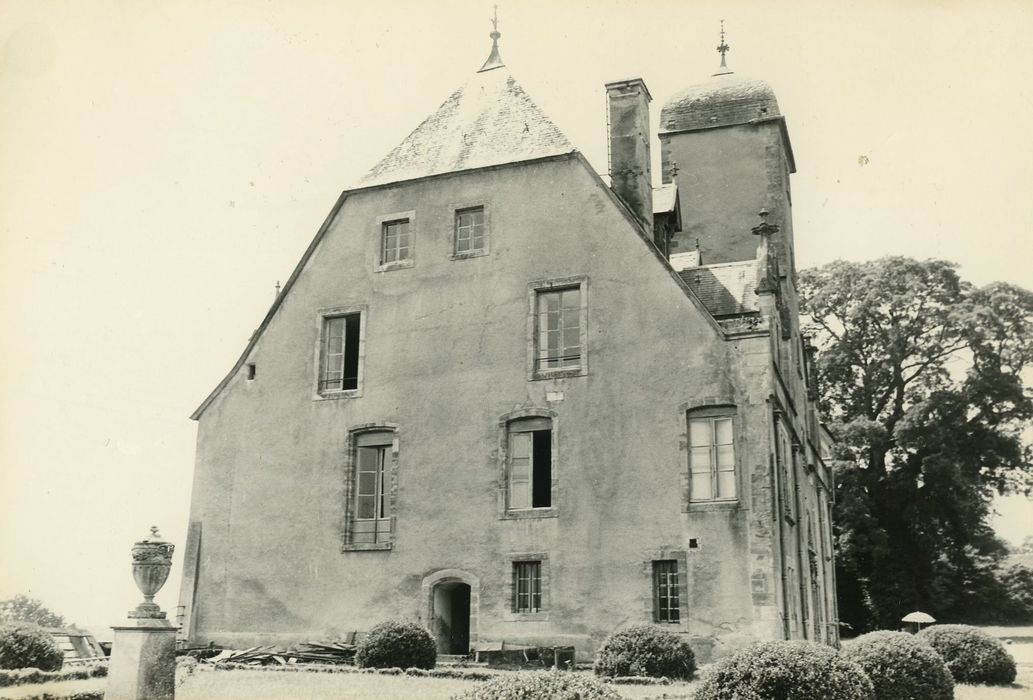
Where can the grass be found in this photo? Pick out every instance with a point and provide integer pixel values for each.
(257, 685)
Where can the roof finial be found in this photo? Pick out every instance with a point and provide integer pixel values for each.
(722, 49)
(494, 60)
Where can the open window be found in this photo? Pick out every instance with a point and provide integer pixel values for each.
(529, 467)
(339, 353)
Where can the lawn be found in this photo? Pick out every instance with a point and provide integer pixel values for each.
(256, 685)
(206, 684)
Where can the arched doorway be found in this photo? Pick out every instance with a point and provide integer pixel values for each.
(450, 600)
(450, 606)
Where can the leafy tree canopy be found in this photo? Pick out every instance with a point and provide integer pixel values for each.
(22, 608)
(921, 378)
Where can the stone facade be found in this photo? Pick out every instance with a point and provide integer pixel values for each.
(447, 344)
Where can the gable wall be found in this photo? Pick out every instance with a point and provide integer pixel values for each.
(446, 356)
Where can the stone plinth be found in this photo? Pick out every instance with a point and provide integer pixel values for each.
(143, 662)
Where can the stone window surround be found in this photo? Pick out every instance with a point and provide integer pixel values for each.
(543, 613)
(787, 492)
(504, 513)
(723, 401)
(349, 485)
(321, 316)
(457, 207)
(555, 284)
(679, 555)
(378, 236)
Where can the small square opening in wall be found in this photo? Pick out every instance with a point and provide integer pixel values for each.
(693, 543)
(251, 370)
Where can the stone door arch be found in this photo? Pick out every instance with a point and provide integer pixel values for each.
(449, 609)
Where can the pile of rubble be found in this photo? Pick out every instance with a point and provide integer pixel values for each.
(306, 653)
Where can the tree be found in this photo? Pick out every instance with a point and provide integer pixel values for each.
(921, 378)
(22, 608)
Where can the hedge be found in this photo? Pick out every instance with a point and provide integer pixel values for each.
(397, 644)
(901, 667)
(972, 655)
(645, 650)
(785, 671)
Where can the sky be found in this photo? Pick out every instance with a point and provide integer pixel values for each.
(163, 164)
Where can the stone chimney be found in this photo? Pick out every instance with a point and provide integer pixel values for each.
(628, 120)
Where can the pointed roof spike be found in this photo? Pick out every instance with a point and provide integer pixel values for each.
(722, 49)
(494, 60)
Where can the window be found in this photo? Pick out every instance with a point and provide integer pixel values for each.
(471, 232)
(396, 245)
(529, 477)
(711, 456)
(527, 586)
(339, 354)
(665, 591)
(370, 508)
(787, 473)
(558, 329)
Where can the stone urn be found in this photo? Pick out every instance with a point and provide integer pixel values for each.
(152, 559)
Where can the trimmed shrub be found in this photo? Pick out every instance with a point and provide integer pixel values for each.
(397, 644)
(24, 676)
(546, 685)
(972, 655)
(28, 646)
(785, 671)
(645, 650)
(901, 667)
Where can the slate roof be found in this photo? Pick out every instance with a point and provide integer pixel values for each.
(488, 121)
(722, 100)
(726, 289)
(664, 198)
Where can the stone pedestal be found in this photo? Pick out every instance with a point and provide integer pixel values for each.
(143, 662)
(143, 652)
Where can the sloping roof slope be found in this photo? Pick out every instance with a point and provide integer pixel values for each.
(488, 121)
(665, 197)
(722, 100)
(726, 289)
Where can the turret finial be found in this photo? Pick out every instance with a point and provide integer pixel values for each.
(722, 49)
(494, 60)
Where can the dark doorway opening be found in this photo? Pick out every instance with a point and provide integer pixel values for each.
(452, 617)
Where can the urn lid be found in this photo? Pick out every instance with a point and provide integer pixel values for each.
(153, 548)
(155, 537)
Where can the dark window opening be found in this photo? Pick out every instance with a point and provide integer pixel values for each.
(529, 464)
(351, 352)
(541, 481)
(250, 371)
(340, 354)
